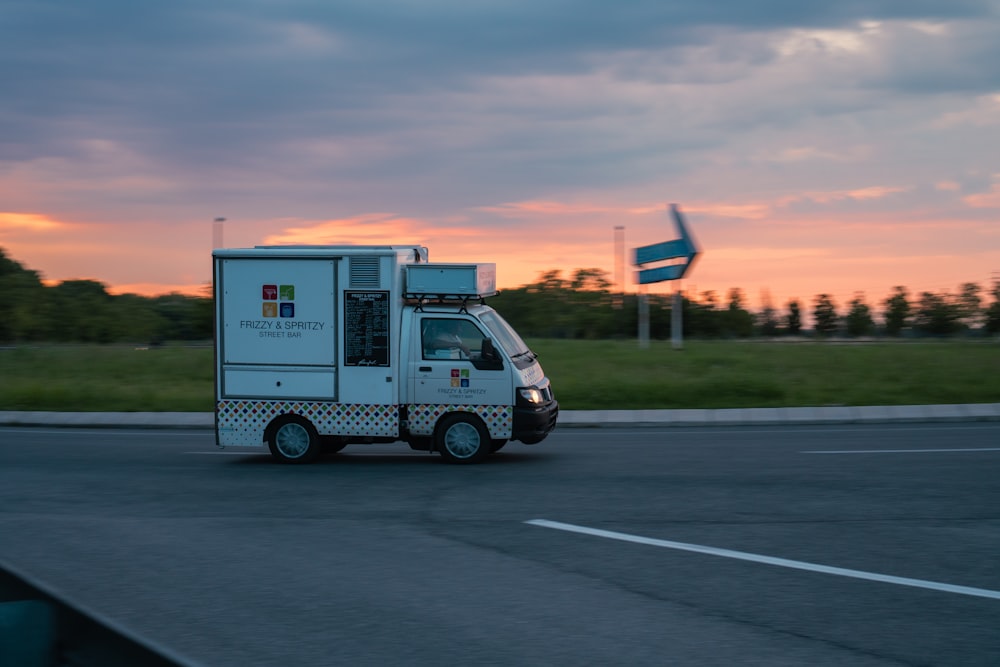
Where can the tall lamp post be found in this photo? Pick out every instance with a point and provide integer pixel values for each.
(217, 232)
(619, 267)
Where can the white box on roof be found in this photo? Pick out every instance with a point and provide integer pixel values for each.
(451, 279)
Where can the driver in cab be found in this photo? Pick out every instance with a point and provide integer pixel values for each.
(442, 340)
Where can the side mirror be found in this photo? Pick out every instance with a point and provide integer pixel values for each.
(489, 359)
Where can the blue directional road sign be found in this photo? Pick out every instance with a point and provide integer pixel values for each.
(684, 249)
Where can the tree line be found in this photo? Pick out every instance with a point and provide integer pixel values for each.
(582, 305)
(82, 311)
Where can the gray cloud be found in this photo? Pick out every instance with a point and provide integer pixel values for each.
(240, 101)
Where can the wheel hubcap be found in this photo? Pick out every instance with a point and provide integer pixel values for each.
(292, 440)
(462, 440)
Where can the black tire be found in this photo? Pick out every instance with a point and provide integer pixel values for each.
(462, 438)
(293, 439)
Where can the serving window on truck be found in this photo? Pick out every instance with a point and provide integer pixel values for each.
(278, 329)
(278, 312)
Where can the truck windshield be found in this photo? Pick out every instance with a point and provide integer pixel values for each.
(504, 335)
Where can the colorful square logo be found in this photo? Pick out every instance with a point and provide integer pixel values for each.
(455, 382)
(465, 383)
(287, 310)
(270, 309)
(465, 372)
(269, 292)
(454, 372)
(287, 292)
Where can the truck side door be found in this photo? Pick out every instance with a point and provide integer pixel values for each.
(448, 367)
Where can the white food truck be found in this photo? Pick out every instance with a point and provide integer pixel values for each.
(318, 347)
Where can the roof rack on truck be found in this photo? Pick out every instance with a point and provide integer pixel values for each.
(448, 283)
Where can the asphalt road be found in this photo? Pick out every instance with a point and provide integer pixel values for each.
(592, 548)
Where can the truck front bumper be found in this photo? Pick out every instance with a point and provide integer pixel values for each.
(533, 423)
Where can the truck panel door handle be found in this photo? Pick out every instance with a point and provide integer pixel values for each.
(425, 369)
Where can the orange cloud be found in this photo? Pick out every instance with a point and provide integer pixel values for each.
(806, 153)
(989, 199)
(983, 111)
(752, 211)
(365, 229)
(555, 208)
(768, 254)
(520, 209)
(158, 289)
(33, 222)
(859, 194)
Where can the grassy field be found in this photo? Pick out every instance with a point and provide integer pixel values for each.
(736, 374)
(586, 375)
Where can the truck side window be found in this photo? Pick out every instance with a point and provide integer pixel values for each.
(443, 338)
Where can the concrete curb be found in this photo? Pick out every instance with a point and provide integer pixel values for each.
(765, 416)
(575, 418)
(180, 420)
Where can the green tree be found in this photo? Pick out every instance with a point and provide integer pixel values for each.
(591, 304)
(553, 307)
(702, 318)
(824, 315)
(551, 293)
(767, 319)
(24, 299)
(550, 281)
(793, 321)
(592, 280)
(897, 311)
(136, 320)
(80, 311)
(737, 321)
(858, 320)
(937, 314)
(992, 314)
(970, 305)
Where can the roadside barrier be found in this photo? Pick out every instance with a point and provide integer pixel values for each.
(37, 629)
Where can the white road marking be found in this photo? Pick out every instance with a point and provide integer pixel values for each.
(770, 560)
(900, 451)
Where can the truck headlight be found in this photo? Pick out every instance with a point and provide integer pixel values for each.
(531, 395)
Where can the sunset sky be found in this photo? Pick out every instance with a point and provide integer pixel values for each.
(835, 147)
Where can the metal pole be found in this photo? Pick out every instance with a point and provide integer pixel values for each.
(643, 318)
(619, 266)
(676, 324)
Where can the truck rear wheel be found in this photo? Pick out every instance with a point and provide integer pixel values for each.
(462, 438)
(293, 440)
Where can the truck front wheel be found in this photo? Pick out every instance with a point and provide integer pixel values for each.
(293, 439)
(462, 438)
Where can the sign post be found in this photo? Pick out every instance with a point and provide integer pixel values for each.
(680, 253)
(643, 305)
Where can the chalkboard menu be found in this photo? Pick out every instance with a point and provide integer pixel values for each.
(366, 328)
